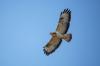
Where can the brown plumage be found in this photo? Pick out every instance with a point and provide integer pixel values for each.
(61, 30)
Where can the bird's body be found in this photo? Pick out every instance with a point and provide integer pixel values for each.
(61, 30)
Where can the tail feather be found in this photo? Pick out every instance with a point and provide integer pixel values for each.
(67, 37)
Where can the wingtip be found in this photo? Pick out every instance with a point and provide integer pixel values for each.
(67, 11)
(45, 52)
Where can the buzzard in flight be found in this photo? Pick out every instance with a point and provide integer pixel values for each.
(60, 33)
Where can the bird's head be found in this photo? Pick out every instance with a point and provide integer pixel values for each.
(53, 34)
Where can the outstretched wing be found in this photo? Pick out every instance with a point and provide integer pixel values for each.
(52, 45)
(64, 21)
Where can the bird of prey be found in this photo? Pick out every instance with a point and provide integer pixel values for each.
(60, 33)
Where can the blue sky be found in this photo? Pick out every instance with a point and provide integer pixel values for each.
(25, 26)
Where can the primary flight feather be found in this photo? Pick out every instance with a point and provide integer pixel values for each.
(60, 33)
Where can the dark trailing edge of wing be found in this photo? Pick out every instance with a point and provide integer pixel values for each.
(67, 27)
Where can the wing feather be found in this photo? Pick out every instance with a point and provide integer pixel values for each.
(52, 45)
(64, 21)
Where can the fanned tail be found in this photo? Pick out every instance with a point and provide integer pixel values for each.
(67, 37)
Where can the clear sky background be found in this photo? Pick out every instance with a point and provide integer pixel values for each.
(25, 26)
